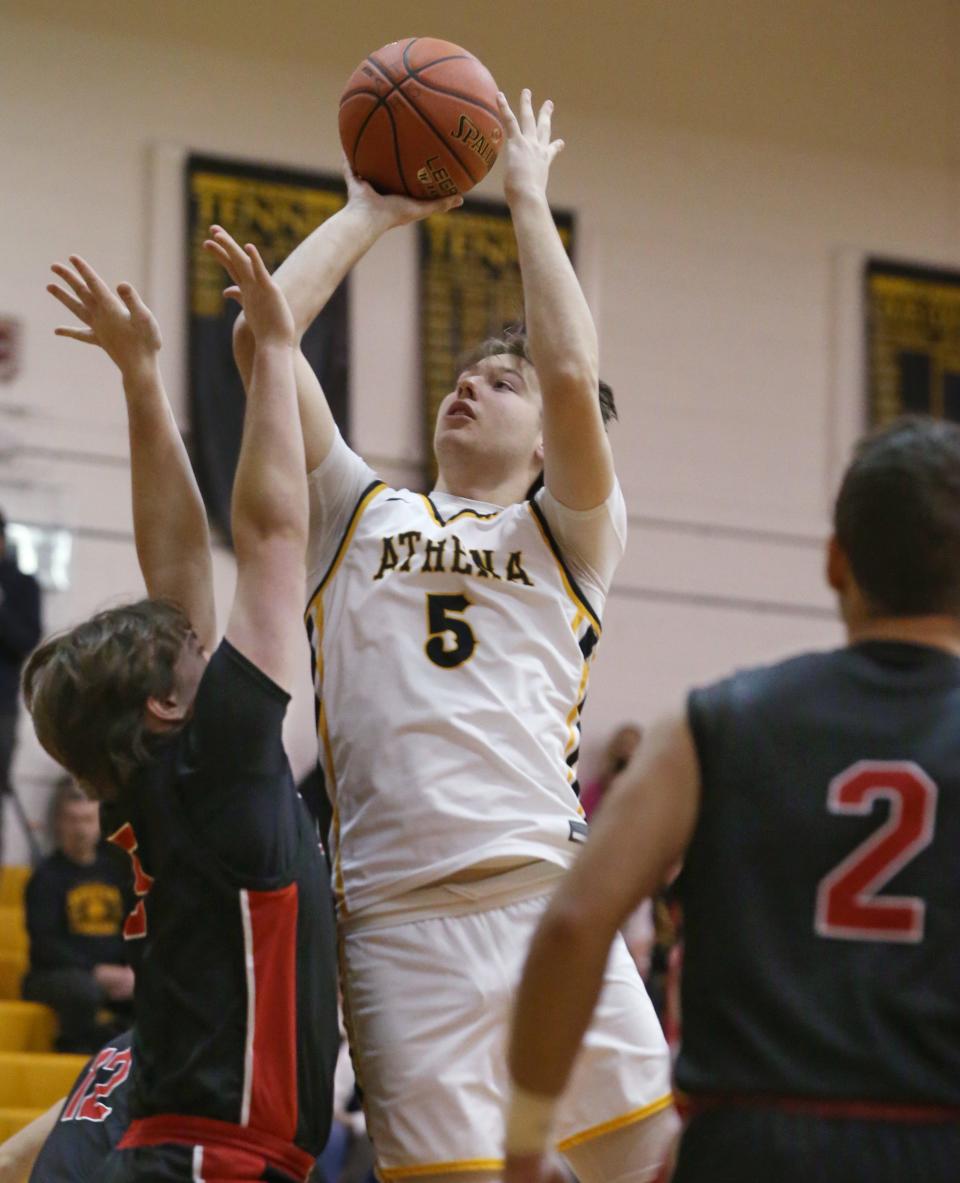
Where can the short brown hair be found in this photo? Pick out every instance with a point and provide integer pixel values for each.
(897, 517)
(87, 689)
(513, 341)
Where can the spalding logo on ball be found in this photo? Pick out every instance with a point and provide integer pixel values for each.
(419, 117)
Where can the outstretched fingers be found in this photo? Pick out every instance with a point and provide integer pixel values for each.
(543, 122)
(239, 257)
(528, 125)
(87, 336)
(93, 281)
(260, 272)
(131, 297)
(71, 303)
(510, 124)
(73, 280)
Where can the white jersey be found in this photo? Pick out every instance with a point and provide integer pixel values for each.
(452, 643)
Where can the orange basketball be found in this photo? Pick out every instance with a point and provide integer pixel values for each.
(419, 117)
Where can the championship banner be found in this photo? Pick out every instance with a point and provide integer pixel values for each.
(913, 341)
(470, 288)
(275, 209)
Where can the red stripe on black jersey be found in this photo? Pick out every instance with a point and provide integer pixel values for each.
(270, 1092)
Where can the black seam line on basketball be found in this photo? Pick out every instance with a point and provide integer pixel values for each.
(441, 138)
(382, 102)
(411, 73)
(416, 71)
(451, 57)
(363, 127)
(395, 87)
(396, 150)
(352, 94)
(455, 94)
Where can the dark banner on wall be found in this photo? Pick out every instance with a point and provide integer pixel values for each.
(470, 288)
(913, 341)
(275, 209)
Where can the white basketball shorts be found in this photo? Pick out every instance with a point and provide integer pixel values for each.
(428, 1005)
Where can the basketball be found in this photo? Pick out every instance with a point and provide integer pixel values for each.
(419, 117)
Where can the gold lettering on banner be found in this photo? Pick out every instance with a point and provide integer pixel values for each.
(276, 215)
(913, 341)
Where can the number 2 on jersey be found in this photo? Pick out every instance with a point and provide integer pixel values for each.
(443, 618)
(848, 906)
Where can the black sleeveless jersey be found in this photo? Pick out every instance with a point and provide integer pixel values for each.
(232, 933)
(821, 889)
(92, 1120)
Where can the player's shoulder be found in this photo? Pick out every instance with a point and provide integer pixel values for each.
(762, 685)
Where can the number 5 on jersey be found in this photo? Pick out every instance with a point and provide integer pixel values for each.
(450, 640)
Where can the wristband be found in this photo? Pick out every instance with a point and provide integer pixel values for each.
(530, 1122)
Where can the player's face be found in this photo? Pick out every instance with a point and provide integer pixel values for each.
(495, 408)
(162, 714)
(78, 830)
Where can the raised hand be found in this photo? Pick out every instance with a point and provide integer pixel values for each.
(529, 151)
(265, 306)
(120, 323)
(390, 210)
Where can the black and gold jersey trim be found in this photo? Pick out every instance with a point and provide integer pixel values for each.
(571, 584)
(461, 513)
(363, 501)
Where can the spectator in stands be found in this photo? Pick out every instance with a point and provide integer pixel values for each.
(19, 633)
(620, 747)
(76, 902)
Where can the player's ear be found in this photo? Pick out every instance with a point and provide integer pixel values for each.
(163, 712)
(538, 452)
(838, 567)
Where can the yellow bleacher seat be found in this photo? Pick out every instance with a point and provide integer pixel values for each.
(32, 1080)
(26, 1027)
(13, 965)
(13, 929)
(13, 883)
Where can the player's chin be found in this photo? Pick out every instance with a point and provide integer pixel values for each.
(456, 429)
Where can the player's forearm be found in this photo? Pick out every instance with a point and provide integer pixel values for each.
(560, 328)
(308, 277)
(19, 1152)
(311, 273)
(562, 978)
(270, 487)
(169, 520)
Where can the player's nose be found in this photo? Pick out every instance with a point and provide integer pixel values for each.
(466, 389)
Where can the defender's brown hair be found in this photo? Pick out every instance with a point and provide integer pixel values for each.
(87, 689)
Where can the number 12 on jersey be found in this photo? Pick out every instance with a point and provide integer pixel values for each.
(848, 904)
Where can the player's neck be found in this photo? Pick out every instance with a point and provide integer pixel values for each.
(936, 632)
(506, 491)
